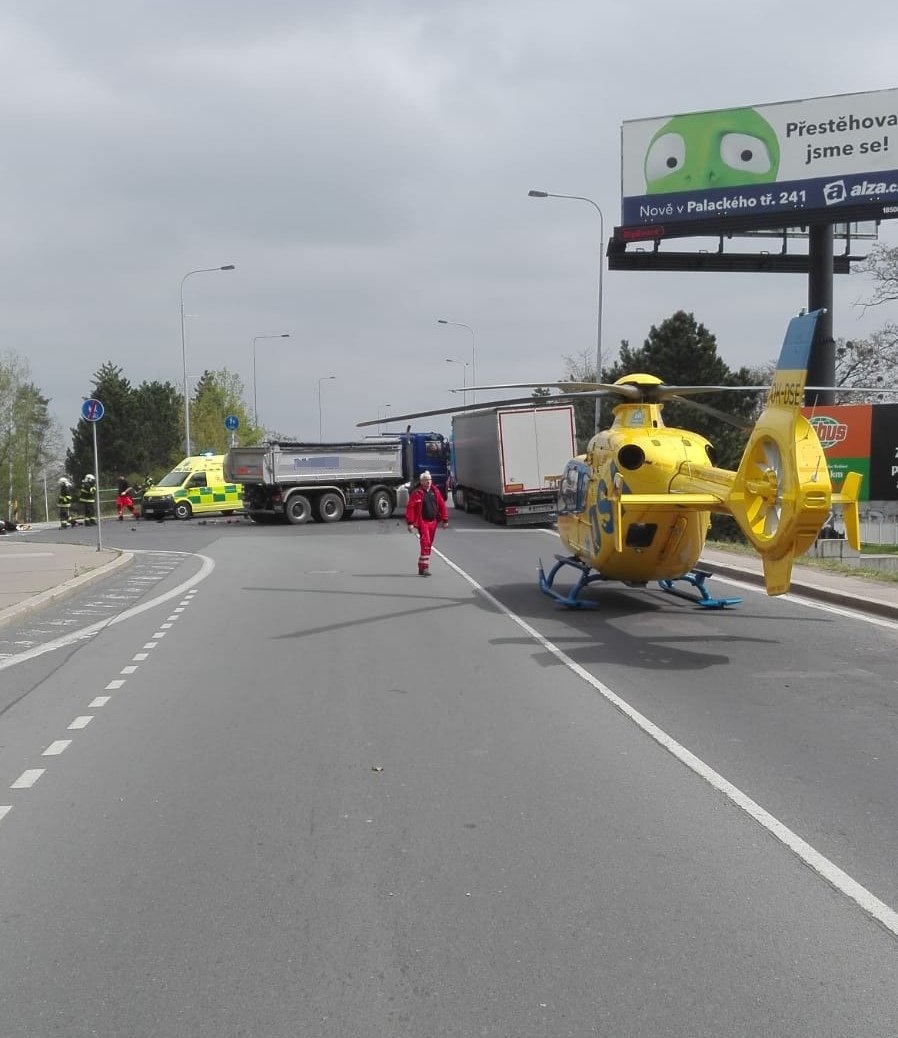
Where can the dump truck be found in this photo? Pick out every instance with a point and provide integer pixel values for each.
(327, 482)
(507, 462)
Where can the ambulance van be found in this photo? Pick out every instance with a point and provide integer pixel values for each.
(196, 486)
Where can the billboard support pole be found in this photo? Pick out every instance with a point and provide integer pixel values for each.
(822, 366)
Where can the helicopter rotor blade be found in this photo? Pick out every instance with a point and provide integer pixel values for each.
(635, 391)
(522, 401)
(567, 384)
(723, 416)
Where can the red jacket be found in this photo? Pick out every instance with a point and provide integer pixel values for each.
(415, 502)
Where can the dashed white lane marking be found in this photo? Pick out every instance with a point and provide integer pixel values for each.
(165, 627)
(57, 747)
(825, 868)
(28, 778)
(87, 632)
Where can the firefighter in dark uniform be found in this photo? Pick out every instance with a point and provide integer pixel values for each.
(87, 498)
(64, 504)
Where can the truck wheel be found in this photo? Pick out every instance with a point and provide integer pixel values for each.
(330, 507)
(458, 499)
(298, 509)
(380, 504)
(183, 510)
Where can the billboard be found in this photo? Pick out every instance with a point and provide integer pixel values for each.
(767, 165)
(860, 438)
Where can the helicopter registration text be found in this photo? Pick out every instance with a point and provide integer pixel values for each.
(786, 393)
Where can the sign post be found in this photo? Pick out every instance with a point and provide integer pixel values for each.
(232, 424)
(92, 411)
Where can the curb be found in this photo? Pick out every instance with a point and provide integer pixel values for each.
(860, 603)
(35, 603)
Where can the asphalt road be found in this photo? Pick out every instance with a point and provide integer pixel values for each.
(317, 795)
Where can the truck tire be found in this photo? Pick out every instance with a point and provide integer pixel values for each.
(458, 499)
(298, 509)
(183, 510)
(381, 504)
(330, 507)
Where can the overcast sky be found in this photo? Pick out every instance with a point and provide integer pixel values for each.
(365, 165)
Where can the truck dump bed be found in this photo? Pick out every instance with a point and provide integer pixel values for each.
(309, 463)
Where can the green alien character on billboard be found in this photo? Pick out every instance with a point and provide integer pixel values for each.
(727, 148)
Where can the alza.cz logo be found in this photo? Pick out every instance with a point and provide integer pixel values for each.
(829, 431)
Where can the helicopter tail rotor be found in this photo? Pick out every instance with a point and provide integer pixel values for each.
(782, 493)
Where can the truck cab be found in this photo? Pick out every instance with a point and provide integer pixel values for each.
(426, 452)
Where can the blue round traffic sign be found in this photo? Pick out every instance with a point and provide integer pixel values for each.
(232, 422)
(92, 410)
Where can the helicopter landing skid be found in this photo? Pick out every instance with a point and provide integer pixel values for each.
(697, 578)
(570, 599)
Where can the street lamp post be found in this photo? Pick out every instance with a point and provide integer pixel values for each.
(458, 324)
(581, 198)
(283, 335)
(203, 270)
(324, 378)
(464, 377)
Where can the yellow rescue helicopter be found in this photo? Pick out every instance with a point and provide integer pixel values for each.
(636, 507)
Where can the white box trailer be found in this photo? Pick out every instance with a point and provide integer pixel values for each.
(508, 462)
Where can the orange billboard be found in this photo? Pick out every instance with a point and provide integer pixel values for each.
(844, 431)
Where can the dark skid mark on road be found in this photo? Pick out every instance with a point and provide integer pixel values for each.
(380, 618)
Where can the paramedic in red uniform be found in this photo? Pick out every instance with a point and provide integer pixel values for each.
(426, 507)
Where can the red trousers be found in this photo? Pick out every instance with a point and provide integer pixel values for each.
(427, 531)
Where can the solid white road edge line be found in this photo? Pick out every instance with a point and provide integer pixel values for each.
(826, 869)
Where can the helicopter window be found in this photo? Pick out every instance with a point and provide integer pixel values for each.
(572, 489)
(640, 535)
